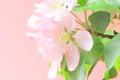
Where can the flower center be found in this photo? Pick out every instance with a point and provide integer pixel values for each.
(57, 5)
(65, 37)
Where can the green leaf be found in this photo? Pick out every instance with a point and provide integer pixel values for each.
(99, 21)
(96, 51)
(110, 32)
(87, 66)
(82, 2)
(117, 64)
(112, 52)
(100, 5)
(112, 73)
(106, 75)
(80, 71)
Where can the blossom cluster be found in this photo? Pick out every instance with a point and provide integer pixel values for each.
(55, 34)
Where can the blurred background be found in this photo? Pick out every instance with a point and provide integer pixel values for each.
(19, 59)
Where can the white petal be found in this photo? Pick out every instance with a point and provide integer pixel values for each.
(72, 56)
(84, 40)
(68, 20)
(41, 8)
(34, 22)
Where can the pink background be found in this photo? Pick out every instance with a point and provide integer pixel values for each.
(19, 59)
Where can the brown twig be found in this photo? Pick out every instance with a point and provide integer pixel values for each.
(103, 35)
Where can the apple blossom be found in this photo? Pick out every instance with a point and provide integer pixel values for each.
(54, 24)
(54, 42)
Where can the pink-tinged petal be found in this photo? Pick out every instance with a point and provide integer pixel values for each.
(84, 39)
(51, 29)
(51, 49)
(53, 70)
(72, 56)
(68, 20)
(58, 18)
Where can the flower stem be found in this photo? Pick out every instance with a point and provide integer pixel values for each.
(80, 23)
(86, 21)
(78, 19)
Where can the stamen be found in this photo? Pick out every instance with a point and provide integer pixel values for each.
(65, 37)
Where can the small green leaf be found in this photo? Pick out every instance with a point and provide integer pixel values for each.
(117, 64)
(87, 66)
(106, 75)
(112, 73)
(112, 52)
(82, 2)
(110, 32)
(99, 21)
